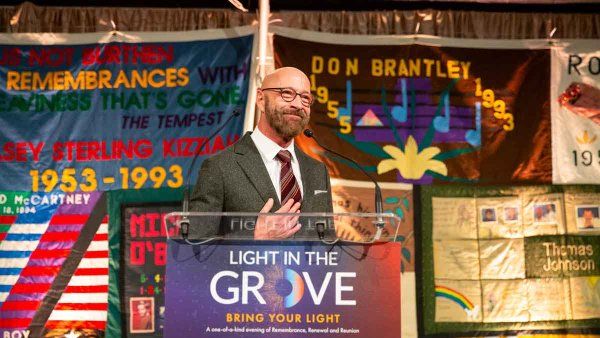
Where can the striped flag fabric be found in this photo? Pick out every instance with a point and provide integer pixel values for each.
(54, 270)
(84, 302)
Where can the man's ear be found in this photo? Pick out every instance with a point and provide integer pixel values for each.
(260, 100)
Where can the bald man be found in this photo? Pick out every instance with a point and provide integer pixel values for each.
(264, 171)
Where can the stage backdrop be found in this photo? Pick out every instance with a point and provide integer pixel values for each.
(86, 113)
(425, 109)
(510, 259)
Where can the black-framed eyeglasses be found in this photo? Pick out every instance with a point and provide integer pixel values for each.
(288, 95)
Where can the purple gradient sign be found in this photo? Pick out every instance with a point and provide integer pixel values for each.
(252, 289)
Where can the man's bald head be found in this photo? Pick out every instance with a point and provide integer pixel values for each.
(286, 77)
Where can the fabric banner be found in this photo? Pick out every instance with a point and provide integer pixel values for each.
(282, 289)
(53, 264)
(423, 110)
(576, 111)
(135, 212)
(94, 112)
(143, 269)
(510, 259)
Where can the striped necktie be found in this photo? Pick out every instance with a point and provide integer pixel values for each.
(287, 181)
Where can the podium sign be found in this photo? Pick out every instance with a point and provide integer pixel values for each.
(282, 288)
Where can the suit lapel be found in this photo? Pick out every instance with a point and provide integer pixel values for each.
(308, 178)
(253, 166)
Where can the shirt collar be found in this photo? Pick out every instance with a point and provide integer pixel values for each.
(269, 149)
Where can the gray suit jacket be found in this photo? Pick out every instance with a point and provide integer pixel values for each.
(236, 180)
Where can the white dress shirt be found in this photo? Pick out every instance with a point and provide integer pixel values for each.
(268, 151)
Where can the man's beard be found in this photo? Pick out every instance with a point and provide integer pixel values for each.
(287, 131)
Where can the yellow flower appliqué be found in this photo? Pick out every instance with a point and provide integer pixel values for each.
(411, 163)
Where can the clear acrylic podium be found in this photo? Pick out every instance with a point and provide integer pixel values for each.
(198, 227)
(338, 275)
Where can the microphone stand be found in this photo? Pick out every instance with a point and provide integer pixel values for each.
(380, 223)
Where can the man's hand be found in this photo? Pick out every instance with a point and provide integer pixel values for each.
(277, 227)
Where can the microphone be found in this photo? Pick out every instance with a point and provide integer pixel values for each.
(378, 200)
(184, 224)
